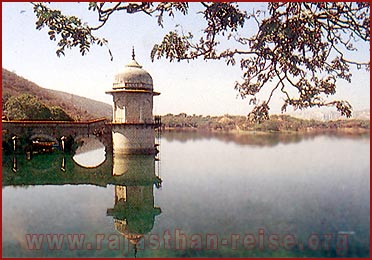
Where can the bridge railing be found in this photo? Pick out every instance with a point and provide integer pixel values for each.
(51, 122)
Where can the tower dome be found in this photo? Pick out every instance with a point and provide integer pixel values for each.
(133, 77)
(133, 122)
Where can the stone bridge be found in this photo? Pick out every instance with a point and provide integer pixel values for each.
(55, 130)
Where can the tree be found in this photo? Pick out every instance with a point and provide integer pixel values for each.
(300, 49)
(28, 107)
(59, 114)
(5, 99)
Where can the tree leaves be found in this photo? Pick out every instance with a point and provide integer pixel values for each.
(299, 43)
(68, 30)
(28, 107)
(173, 47)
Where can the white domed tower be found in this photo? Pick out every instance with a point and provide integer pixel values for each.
(133, 123)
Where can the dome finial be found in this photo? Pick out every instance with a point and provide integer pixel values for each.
(133, 55)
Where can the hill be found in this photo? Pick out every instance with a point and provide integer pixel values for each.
(327, 115)
(79, 108)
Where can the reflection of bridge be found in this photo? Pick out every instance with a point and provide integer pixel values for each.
(134, 177)
(59, 168)
(54, 130)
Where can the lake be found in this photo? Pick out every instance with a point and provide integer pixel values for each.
(221, 195)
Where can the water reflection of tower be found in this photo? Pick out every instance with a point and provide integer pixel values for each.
(134, 210)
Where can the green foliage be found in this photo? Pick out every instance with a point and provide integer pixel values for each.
(276, 123)
(69, 29)
(28, 107)
(5, 99)
(59, 114)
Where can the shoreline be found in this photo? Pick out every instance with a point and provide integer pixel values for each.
(348, 131)
(277, 124)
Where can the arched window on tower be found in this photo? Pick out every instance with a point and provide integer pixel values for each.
(120, 114)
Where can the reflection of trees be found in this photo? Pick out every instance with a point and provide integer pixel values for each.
(264, 139)
(133, 176)
(254, 139)
(58, 169)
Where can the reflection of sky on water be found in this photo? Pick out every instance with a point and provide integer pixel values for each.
(313, 185)
(316, 185)
(91, 153)
(91, 158)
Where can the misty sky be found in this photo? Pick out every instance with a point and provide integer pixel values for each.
(197, 87)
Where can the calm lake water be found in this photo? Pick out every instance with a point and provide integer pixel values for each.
(221, 195)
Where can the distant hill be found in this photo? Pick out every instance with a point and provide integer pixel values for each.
(79, 108)
(327, 115)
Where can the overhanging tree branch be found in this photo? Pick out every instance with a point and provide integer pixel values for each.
(296, 44)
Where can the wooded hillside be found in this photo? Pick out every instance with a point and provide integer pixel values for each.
(77, 107)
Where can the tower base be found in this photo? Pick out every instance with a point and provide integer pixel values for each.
(133, 139)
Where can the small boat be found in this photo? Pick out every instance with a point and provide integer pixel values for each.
(42, 146)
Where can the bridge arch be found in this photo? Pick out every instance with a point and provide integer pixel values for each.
(45, 137)
(91, 151)
(54, 130)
